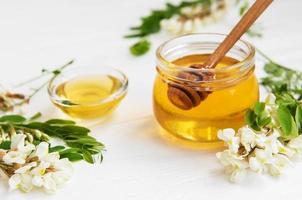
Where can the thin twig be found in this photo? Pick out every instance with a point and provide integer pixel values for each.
(55, 73)
(44, 73)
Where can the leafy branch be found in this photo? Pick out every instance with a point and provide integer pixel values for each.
(8, 100)
(281, 79)
(285, 113)
(151, 24)
(80, 146)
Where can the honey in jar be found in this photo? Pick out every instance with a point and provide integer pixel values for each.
(232, 90)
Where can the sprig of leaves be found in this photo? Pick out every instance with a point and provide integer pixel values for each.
(285, 84)
(151, 24)
(80, 146)
(281, 79)
(288, 117)
(9, 101)
(258, 118)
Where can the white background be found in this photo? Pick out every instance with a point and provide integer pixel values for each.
(138, 164)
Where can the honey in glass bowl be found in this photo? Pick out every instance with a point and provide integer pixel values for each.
(232, 90)
(88, 93)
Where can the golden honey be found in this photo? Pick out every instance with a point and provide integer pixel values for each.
(233, 91)
(89, 96)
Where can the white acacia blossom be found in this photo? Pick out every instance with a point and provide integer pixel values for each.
(32, 166)
(192, 19)
(258, 151)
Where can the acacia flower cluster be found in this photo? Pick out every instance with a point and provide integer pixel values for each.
(9, 102)
(191, 19)
(263, 151)
(28, 166)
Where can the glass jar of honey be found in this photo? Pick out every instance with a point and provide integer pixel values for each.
(213, 99)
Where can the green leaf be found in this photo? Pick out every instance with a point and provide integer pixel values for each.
(274, 69)
(243, 8)
(13, 118)
(56, 149)
(286, 120)
(87, 157)
(75, 130)
(73, 157)
(5, 145)
(251, 120)
(264, 122)
(35, 116)
(68, 103)
(140, 48)
(259, 108)
(70, 150)
(254, 33)
(298, 117)
(250, 117)
(286, 99)
(81, 145)
(60, 122)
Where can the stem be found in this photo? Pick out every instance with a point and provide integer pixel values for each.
(44, 74)
(35, 116)
(264, 55)
(272, 61)
(33, 79)
(55, 73)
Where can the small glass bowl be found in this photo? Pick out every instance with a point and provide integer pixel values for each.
(88, 111)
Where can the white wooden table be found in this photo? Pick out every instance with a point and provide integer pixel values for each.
(138, 163)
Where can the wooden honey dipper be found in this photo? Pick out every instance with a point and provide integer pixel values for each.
(186, 97)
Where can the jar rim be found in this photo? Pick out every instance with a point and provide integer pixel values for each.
(170, 65)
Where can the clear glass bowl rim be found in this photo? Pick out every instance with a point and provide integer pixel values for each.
(58, 100)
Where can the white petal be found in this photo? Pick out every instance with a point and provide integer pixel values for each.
(64, 165)
(26, 183)
(14, 157)
(272, 144)
(278, 164)
(37, 181)
(285, 150)
(270, 99)
(27, 149)
(173, 26)
(52, 157)
(49, 185)
(296, 143)
(264, 156)
(234, 144)
(237, 175)
(40, 169)
(26, 168)
(60, 178)
(41, 150)
(17, 141)
(255, 165)
(14, 181)
(197, 25)
(226, 134)
(229, 158)
(247, 138)
(260, 140)
(187, 26)
(187, 11)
